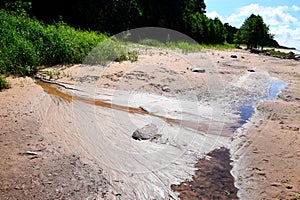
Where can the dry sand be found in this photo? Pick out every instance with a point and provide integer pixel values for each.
(202, 111)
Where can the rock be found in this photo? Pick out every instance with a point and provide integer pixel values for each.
(148, 132)
(254, 50)
(233, 56)
(199, 70)
(243, 57)
(31, 153)
(276, 184)
(251, 70)
(289, 187)
(166, 88)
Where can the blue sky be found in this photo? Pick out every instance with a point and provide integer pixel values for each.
(283, 16)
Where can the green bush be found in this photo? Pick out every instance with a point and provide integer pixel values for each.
(3, 84)
(27, 43)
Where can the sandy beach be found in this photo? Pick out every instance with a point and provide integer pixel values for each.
(73, 139)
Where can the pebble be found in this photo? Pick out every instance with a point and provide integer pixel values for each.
(276, 184)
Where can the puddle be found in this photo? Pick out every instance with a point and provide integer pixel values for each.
(247, 109)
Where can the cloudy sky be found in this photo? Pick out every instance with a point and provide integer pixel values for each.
(283, 16)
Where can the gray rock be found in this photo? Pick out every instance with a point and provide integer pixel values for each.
(166, 88)
(254, 50)
(148, 132)
(199, 70)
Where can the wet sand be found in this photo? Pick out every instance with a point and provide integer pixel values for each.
(204, 107)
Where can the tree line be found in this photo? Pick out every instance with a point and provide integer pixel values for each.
(115, 16)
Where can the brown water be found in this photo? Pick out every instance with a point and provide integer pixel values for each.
(54, 90)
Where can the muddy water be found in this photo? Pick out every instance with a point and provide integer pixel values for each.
(54, 90)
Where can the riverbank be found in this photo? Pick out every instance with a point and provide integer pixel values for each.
(266, 150)
(202, 108)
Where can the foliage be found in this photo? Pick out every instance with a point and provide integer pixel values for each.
(19, 7)
(254, 32)
(3, 83)
(27, 43)
(115, 16)
(230, 32)
(111, 50)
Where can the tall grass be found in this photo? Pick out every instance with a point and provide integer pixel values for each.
(186, 47)
(27, 43)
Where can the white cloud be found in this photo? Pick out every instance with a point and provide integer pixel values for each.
(287, 36)
(273, 16)
(213, 15)
(295, 8)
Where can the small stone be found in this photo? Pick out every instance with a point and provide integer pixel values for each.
(166, 88)
(289, 187)
(276, 184)
(199, 70)
(233, 56)
(31, 153)
(251, 70)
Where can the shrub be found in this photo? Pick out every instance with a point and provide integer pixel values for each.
(27, 43)
(3, 84)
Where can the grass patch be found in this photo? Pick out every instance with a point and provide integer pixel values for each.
(225, 46)
(186, 47)
(4, 84)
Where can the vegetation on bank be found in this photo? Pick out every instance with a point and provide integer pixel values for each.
(273, 52)
(3, 84)
(26, 43)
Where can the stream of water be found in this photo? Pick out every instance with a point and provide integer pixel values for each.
(247, 109)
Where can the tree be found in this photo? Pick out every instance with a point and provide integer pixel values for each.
(254, 32)
(230, 32)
